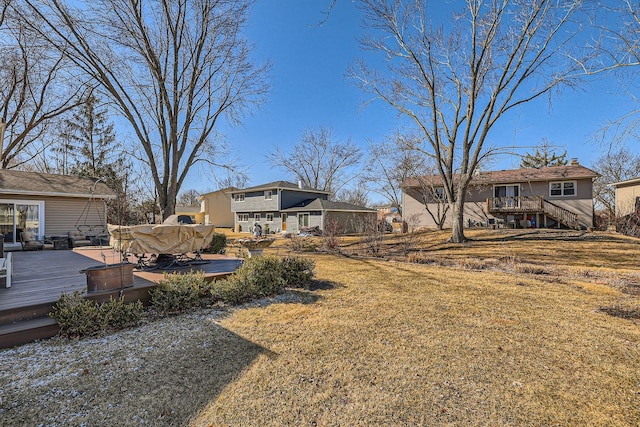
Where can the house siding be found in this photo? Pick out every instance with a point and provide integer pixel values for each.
(64, 214)
(475, 209)
(217, 206)
(626, 199)
(255, 202)
(349, 222)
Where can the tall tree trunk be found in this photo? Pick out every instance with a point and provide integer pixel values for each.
(457, 233)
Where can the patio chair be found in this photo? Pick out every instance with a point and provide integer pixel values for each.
(30, 242)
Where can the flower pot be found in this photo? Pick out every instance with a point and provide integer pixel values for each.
(109, 277)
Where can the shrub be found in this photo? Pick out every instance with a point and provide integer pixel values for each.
(297, 271)
(257, 277)
(302, 244)
(177, 292)
(218, 244)
(78, 316)
(118, 315)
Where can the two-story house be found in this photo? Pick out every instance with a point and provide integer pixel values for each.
(627, 196)
(284, 206)
(546, 197)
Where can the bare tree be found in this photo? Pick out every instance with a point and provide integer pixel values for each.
(391, 163)
(617, 166)
(358, 196)
(173, 68)
(189, 197)
(456, 81)
(35, 89)
(319, 160)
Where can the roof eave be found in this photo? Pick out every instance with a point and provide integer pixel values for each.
(6, 191)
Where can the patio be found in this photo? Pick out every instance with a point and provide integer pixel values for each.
(40, 277)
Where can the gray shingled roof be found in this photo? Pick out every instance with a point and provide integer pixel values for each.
(46, 184)
(326, 205)
(551, 173)
(275, 185)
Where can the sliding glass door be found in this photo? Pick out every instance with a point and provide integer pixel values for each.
(19, 216)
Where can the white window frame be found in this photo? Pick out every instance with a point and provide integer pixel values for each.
(256, 217)
(239, 197)
(302, 215)
(269, 217)
(268, 195)
(41, 216)
(563, 189)
(243, 217)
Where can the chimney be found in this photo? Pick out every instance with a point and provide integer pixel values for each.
(300, 184)
(574, 161)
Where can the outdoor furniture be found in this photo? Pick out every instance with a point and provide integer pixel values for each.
(6, 270)
(167, 244)
(76, 239)
(30, 242)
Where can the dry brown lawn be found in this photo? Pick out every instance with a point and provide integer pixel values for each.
(514, 328)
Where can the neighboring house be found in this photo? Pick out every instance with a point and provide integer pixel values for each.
(627, 196)
(50, 205)
(547, 197)
(387, 213)
(283, 206)
(216, 208)
(192, 212)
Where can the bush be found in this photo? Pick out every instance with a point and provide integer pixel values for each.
(218, 244)
(178, 292)
(78, 316)
(258, 277)
(297, 271)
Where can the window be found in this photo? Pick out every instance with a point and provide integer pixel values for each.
(243, 217)
(439, 193)
(267, 195)
(269, 217)
(238, 197)
(256, 217)
(563, 188)
(303, 220)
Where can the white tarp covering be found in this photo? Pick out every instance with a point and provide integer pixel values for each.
(160, 238)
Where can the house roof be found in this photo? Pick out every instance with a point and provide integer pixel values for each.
(326, 205)
(551, 173)
(222, 190)
(628, 182)
(46, 184)
(280, 185)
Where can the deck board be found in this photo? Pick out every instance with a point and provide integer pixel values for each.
(42, 276)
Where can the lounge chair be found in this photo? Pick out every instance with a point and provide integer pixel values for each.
(76, 239)
(30, 242)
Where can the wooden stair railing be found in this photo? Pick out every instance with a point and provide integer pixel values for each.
(562, 215)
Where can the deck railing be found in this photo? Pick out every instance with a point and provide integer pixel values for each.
(566, 217)
(519, 204)
(532, 204)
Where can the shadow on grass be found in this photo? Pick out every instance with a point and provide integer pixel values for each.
(322, 285)
(140, 378)
(622, 312)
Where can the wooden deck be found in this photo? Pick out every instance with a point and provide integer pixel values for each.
(40, 277)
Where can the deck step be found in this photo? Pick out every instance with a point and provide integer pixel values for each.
(25, 331)
(25, 313)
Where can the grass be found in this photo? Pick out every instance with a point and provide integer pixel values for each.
(545, 333)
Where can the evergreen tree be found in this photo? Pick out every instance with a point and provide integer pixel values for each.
(543, 157)
(96, 153)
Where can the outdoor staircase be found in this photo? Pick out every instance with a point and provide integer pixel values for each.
(562, 215)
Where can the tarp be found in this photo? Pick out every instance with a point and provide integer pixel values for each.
(160, 238)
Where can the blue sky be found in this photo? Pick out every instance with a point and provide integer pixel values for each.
(309, 89)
